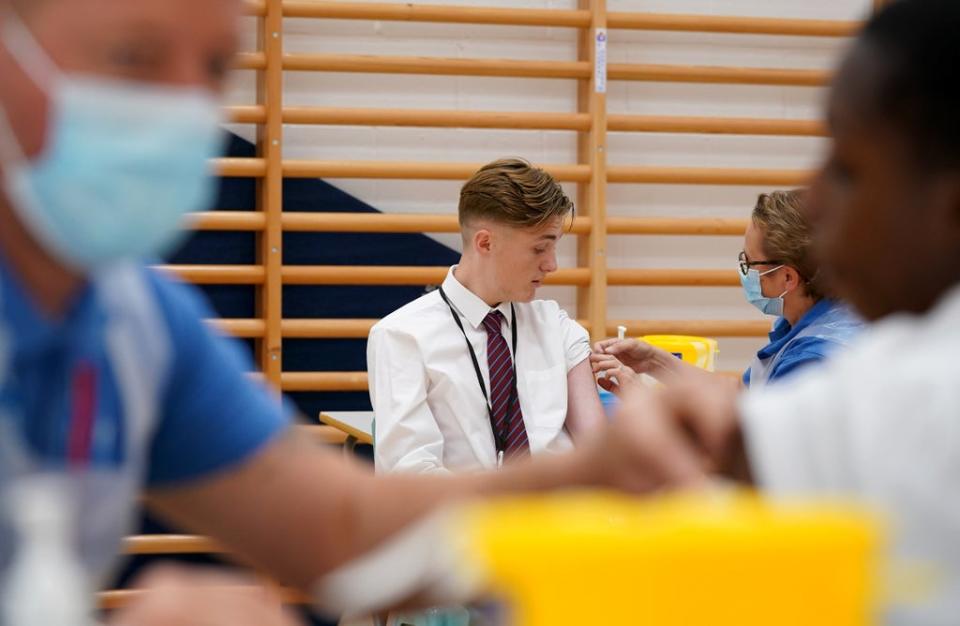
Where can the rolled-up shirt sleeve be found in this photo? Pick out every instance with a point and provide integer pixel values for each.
(576, 340)
(407, 436)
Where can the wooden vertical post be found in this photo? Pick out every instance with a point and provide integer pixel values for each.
(592, 150)
(270, 189)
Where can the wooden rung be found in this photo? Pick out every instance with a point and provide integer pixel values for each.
(315, 275)
(323, 381)
(700, 328)
(672, 278)
(438, 66)
(431, 223)
(370, 223)
(256, 114)
(327, 328)
(246, 328)
(560, 18)
(717, 75)
(393, 275)
(441, 66)
(241, 167)
(705, 226)
(295, 168)
(432, 275)
(714, 125)
(726, 24)
(250, 61)
(218, 274)
(226, 220)
(706, 176)
(523, 120)
(411, 170)
(388, 223)
(435, 13)
(437, 118)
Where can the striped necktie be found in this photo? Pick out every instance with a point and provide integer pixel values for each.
(504, 402)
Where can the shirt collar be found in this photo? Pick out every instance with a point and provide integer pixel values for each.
(32, 329)
(782, 331)
(469, 304)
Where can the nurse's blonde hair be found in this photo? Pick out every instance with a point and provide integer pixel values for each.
(786, 235)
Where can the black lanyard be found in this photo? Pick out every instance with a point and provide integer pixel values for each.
(498, 437)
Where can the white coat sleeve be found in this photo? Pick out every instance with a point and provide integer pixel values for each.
(877, 425)
(796, 439)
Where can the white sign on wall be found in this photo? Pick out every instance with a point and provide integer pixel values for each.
(600, 56)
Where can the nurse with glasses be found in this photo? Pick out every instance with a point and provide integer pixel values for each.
(781, 279)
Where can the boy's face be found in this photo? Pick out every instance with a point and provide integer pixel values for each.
(886, 229)
(520, 258)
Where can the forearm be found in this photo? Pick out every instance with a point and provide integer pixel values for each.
(388, 503)
(543, 472)
(298, 511)
(585, 416)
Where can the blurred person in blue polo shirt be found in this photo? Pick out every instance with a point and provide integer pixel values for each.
(110, 379)
(781, 279)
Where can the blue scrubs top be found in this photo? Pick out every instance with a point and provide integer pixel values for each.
(800, 351)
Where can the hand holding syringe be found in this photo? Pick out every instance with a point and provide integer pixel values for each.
(621, 335)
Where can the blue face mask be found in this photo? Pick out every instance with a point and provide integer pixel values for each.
(122, 163)
(754, 292)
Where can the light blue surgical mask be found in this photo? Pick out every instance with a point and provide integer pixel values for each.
(122, 163)
(754, 292)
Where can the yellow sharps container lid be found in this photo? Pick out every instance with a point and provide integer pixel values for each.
(711, 560)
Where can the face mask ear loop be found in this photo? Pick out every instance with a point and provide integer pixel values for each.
(30, 55)
(770, 271)
(37, 65)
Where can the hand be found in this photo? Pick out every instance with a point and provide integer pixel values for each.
(706, 408)
(184, 596)
(644, 449)
(612, 375)
(639, 356)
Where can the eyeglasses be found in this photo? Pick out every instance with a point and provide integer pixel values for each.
(745, 265)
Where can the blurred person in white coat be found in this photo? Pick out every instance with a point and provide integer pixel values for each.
(879, 423)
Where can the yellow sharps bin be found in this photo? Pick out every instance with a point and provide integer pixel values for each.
(699, 351)
(605, 560)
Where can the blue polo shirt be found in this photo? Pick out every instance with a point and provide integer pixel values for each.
(803, 351)
(63, 389)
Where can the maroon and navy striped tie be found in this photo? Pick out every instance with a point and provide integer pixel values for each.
(507, 416)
